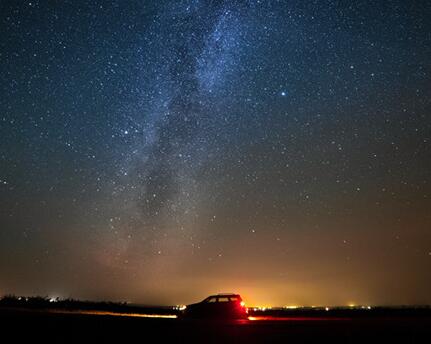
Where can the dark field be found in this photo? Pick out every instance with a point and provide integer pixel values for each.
(58, 326)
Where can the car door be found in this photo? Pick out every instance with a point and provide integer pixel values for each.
(211, 306)
(224, 306)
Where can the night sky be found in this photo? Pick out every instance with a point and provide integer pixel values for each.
(161, 151)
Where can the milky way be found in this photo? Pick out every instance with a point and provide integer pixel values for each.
(159, 151)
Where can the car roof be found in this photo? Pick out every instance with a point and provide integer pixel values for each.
(225, 294)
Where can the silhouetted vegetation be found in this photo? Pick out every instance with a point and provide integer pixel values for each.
(39, 302)
(345, 312)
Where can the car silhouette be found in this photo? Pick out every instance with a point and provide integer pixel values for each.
(222, 306)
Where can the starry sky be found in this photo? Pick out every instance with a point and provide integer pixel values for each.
(161, 151)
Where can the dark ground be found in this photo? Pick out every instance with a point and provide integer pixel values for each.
(60, 327)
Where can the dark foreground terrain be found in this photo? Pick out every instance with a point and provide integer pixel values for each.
(84, 326)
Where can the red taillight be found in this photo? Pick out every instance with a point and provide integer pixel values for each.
(242, 304)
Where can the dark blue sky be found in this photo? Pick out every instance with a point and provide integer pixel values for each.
(160, 151)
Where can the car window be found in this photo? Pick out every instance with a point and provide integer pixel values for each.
(223, 299)
(212, 299)
(234, 298)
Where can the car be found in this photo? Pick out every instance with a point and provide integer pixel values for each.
(221, 306)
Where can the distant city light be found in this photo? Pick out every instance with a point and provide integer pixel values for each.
(261, 308)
